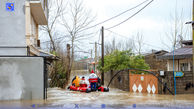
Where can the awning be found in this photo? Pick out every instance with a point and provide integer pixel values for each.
(38, 12)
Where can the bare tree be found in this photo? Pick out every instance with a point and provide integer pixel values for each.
(139, 44)
(75, 22)
(56, 8)
(121, 45)
(177, 32)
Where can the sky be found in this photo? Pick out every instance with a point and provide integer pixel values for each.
(154, 22)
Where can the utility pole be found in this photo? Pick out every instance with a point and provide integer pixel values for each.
(95, 55)
(91, 53)
(192, 22)
(193, 38)
(102, 74)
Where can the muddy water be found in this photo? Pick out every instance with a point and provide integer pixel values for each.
(118, 98)
(115, 99)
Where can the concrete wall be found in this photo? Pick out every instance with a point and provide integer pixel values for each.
(12, 26)
(21, 78)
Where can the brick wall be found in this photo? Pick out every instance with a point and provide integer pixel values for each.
(181, 83)
(121, 81)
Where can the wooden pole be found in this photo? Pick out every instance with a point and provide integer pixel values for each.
(102, 74)
(95, 56)
(193, 39)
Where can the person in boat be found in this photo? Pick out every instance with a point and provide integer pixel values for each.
(83, 82)
(76, 81)
(93, 79)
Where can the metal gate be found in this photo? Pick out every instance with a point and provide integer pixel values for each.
(143, 83)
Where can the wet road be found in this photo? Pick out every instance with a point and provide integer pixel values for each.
(115, 99)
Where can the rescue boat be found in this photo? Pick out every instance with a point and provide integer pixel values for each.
(77, 85)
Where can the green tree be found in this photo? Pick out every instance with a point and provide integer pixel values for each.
(119, 60)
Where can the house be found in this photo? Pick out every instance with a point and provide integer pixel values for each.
(155, 63)
(20, 54)
(182, 57)
(19, 28)
(183, 64)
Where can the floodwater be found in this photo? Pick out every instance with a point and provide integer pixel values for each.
(118, 99)
(115, 99)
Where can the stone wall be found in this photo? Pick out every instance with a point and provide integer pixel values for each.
(121, 81)
(181, 83)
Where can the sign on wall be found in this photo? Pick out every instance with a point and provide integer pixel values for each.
(10, 6)
(179, 74)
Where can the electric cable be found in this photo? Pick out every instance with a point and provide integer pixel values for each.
(116, 15)
(130, 16)
(108, 19)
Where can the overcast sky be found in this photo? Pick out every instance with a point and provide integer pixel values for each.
(153, 22)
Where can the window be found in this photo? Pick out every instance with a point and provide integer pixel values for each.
(184, 66)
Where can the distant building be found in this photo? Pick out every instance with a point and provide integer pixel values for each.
(83, 64)
(182, 57)
(155, 63)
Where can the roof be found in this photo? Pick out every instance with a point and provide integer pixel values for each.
(48, 55)
(181, 53)
(187, 42)
(157, 53)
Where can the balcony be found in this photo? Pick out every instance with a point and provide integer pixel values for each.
(39, 11)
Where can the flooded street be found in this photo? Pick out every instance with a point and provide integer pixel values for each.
(118, 99)
(115, 99)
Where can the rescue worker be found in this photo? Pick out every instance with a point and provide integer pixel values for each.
(83, 82)
(75, 81)
(93, 79)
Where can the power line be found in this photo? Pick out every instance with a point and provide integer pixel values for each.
(130, 16)
(116, 15)
(134, 40)
(107, 19)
